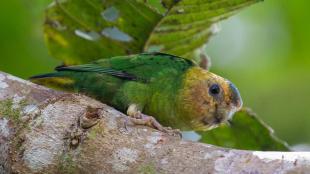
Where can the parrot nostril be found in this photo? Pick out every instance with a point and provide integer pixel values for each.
(214, 120)
(235, 96)
(217, 120)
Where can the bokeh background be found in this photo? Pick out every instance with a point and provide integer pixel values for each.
(264, 50)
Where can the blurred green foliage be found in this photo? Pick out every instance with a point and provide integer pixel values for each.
(23, 51)
(264, 50)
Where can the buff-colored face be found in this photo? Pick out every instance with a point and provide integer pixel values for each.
(214, 100)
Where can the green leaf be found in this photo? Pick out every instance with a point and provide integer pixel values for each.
(246, 131)
(189, 25)
(155, 5)
(81, 31)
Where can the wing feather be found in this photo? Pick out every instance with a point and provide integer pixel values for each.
(140, 67)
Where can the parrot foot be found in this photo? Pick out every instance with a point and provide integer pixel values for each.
(153, 123)
(138, 118)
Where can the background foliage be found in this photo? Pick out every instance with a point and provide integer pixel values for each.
(264, 50)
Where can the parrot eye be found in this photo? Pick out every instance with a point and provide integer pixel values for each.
(214, 89)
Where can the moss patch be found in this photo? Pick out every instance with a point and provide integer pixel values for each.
(147, 169)
(92, 134)
(67, 165)
(8, 111)
(14, 114)
(95, 131)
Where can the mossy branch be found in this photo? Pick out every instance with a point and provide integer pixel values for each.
(45, 131)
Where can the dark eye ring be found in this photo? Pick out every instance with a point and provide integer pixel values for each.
(214, 89)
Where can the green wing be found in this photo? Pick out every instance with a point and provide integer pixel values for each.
(143, 67)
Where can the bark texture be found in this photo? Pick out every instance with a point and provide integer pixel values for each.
(46, 131)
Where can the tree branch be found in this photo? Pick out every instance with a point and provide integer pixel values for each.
(46, 131)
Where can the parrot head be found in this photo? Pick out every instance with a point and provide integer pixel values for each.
(209, 99)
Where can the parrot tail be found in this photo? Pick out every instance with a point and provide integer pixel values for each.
(56, 80)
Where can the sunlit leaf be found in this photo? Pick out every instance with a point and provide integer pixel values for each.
(246, 131)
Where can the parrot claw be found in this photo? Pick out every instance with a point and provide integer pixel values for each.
(138, 118)
(153, 123)
(150, 121)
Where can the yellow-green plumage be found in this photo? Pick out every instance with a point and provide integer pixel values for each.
(172, 89)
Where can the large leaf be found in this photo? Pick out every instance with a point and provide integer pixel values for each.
(80, 31)
(189, 25)
(246, 131)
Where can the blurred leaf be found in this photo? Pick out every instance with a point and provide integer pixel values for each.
(80, 31)
(247, 132)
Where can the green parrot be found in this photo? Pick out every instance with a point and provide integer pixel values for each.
(176, 91)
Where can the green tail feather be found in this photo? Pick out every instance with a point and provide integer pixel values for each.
(54, 80)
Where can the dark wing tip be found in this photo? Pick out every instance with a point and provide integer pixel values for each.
(60, 67)
(155, 53)
(42, 76)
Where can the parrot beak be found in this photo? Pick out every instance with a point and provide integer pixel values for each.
(235, 96)
(236, 100)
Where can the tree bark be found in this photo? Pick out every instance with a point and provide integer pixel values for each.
(47, 131)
